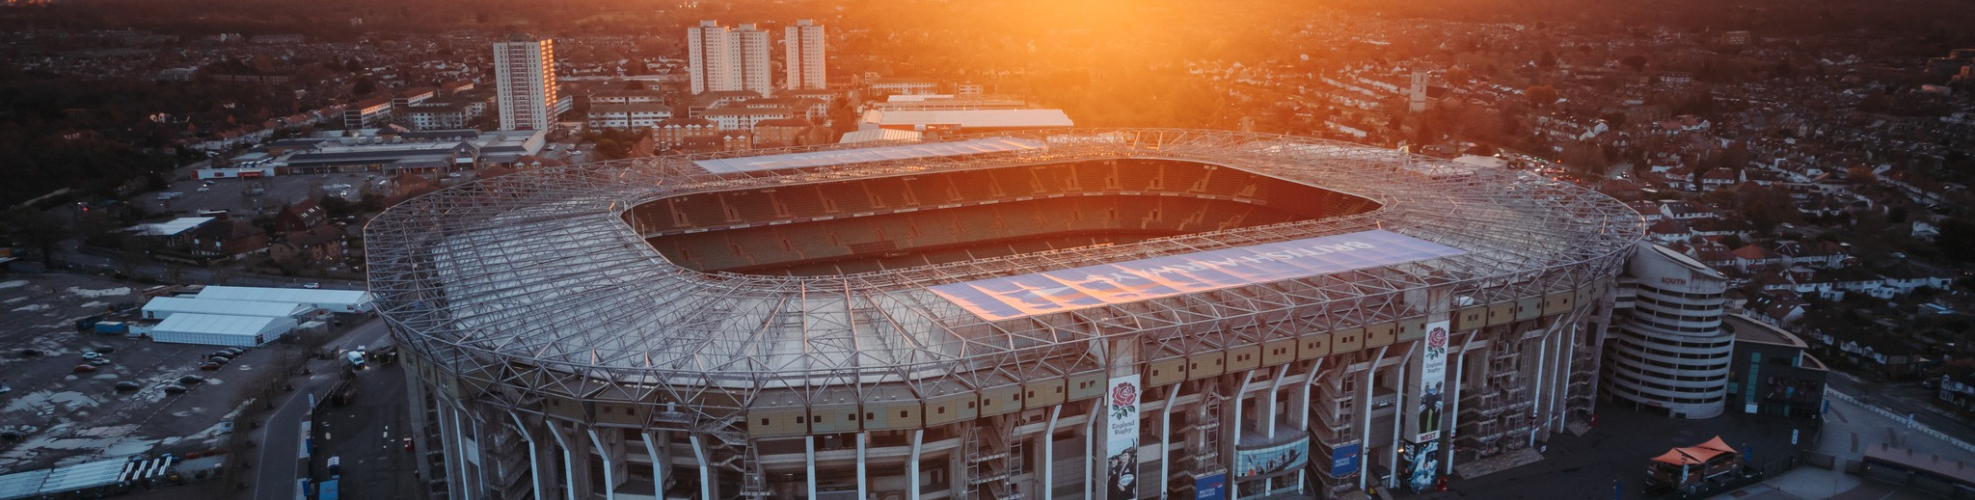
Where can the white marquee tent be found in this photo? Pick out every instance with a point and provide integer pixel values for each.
(212, 329)
(341, 301)
(165, 307)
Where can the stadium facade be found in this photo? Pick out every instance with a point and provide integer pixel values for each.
(1065, 315)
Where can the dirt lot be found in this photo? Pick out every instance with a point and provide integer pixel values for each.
(61, 417)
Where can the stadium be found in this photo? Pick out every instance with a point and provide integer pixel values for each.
(1074, 314)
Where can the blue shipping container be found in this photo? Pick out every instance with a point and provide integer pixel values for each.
(328, 490)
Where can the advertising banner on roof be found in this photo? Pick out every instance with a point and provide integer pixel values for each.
(1086, 287)
(1121, 439)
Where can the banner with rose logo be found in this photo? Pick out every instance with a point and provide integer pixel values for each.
(1429, 402)
(1121, 439)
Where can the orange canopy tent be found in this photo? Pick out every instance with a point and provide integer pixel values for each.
(1687, 456)
(1717, 445)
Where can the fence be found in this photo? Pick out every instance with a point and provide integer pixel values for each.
(1910, 424)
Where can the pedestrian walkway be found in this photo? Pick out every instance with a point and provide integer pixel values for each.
(1849, 430)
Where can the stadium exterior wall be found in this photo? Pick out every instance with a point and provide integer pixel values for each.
(1315, 378)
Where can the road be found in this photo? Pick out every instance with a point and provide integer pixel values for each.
(1906, 398)
(281, 438)
(368, 436)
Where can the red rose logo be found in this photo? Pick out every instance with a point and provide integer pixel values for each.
(1437, 338)
(1124, 395)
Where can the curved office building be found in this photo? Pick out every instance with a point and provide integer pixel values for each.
(1668, 350)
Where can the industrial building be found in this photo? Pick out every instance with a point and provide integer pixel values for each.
(1040, 315)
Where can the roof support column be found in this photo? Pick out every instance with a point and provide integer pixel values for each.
(534, 455)
(660, 463)
(705, 468)
(1365, 410)
(609, 466)
(1454, 403)
(568, 462)
(809, 463)
(1048, 457)
(912, 466)
(1398, 415)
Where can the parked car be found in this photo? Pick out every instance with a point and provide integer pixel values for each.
(91, 355)
(190, 380)
(210, 366)
(234, 352)
(222, 360)
(99, 361)
(174, 389)
(84, 368)
(128, 386)
(30, 353)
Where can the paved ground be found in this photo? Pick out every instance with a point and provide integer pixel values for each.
(368, 436)
(1583, 467)
(64, 417)
(281, 437)
(1905, 398)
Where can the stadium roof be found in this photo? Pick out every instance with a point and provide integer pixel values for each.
(879, 134)
(867, 155)
(537, 276)
(971, 118)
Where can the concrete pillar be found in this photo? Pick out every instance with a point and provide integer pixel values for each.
(1365, 420)
(468, 486)
(1090, 453)
(705, 467)
(1453, 425)
(863, 478)
(1399, 415)
(1536, 403)
(1233, 425)
(609, 466)
(1166, 443)
(569, 475)
(660, 463)
(911, 466)
(1048, 455)
(1269, 402)
(455, 466)
(534, 454)
(809, 461)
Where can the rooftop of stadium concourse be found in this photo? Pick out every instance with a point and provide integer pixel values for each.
(879, 224)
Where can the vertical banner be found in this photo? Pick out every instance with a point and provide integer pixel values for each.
(1430, 398)
(1421, 456)
(1121, 439)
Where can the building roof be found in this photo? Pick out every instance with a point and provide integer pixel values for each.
(635, 107)
(1747, 329)
(296, 295)
(172, 227)
(972, 118)
(879, 134)
(175, 305)
(214, 324)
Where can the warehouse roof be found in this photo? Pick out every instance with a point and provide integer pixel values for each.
(296, 295)
(219, 325)
(225, 307)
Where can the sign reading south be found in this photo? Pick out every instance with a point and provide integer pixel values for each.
(1125, 282)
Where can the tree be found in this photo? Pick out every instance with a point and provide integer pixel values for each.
(363, 87)
(1636, 62)
(1540, 95)
(38, 230)
(1957, 239)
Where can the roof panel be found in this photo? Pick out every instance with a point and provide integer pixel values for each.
(1013, 297)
